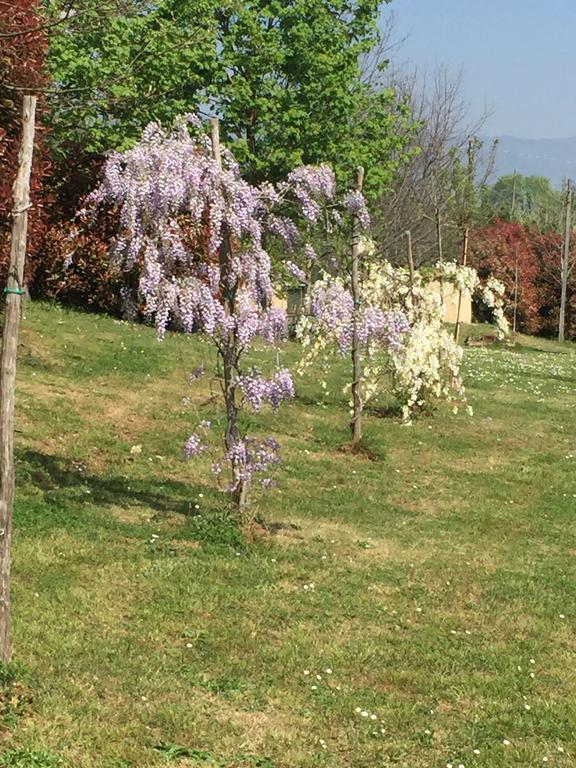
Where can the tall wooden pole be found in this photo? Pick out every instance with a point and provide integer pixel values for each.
(14, 291)
(356, 425)
(439, 243)
(516, 272)
(469, 193)
(410, 256)
(464, 262)
(516, 287)
(565, 260)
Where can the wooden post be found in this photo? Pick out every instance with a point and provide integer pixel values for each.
(439, 243)
(410, 256)
(464, 262)
(356, 425)
(565, 260)
(14, 291)
(516, 275)
(516, 287)
(469, 194)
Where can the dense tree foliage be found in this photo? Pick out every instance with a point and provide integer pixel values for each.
(289, 88)
(284, 77)
(527, 199)
(527, 261)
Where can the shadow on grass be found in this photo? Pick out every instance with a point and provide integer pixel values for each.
(55, 475)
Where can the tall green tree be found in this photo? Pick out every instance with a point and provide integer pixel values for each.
(118, 64)
(289, 88)
(284, 76)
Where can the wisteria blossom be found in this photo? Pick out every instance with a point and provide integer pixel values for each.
(194, 230)
(401, 327)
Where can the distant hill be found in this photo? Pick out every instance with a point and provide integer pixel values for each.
(553, 158)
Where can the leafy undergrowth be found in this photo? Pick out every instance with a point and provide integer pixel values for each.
(410, 605)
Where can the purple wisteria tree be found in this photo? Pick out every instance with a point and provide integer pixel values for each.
(193, 232)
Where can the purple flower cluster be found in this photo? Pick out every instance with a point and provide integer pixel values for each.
(333, 307)
(171, 195)
(333, 312)
(285, 229)
(388, 328)
(257, 390)
(296, 272)
(355, 203)
(312, 185)
(252, 457)
(194, 445)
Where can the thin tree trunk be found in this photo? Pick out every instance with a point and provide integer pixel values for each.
(229, 355)
(565, 260)
(464, 262)
(14, 291)
(356, 425)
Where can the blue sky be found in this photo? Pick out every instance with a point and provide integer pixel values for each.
(518, 57)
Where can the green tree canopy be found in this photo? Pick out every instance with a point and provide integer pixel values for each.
(284, 76)
(525, 199)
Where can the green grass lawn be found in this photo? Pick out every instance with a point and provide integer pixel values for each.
(412, 606)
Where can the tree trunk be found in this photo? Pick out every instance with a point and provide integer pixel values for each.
(356, 425)
(14, 291)
(229, 355)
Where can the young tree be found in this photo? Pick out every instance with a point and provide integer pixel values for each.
(13, 293)
(193, 231)
(422, 195)
(467, 183)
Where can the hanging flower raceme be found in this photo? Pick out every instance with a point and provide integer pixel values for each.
(331, 322)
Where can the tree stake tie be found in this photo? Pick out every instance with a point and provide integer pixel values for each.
(17, 291)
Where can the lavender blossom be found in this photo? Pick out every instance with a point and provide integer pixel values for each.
(257, 391)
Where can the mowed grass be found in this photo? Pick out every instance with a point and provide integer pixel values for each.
(414, 605)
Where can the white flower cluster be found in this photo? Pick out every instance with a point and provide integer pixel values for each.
(490, 293)
(425, 366)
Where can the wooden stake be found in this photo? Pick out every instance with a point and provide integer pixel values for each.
(439, 243)
(410, 257)
(14, 291)
(516, 287)
(464, 262)
(356, 425)
(565, 260)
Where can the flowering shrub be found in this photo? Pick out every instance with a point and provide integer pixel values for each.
(491, 293)
(193, 231)
(401, 327)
